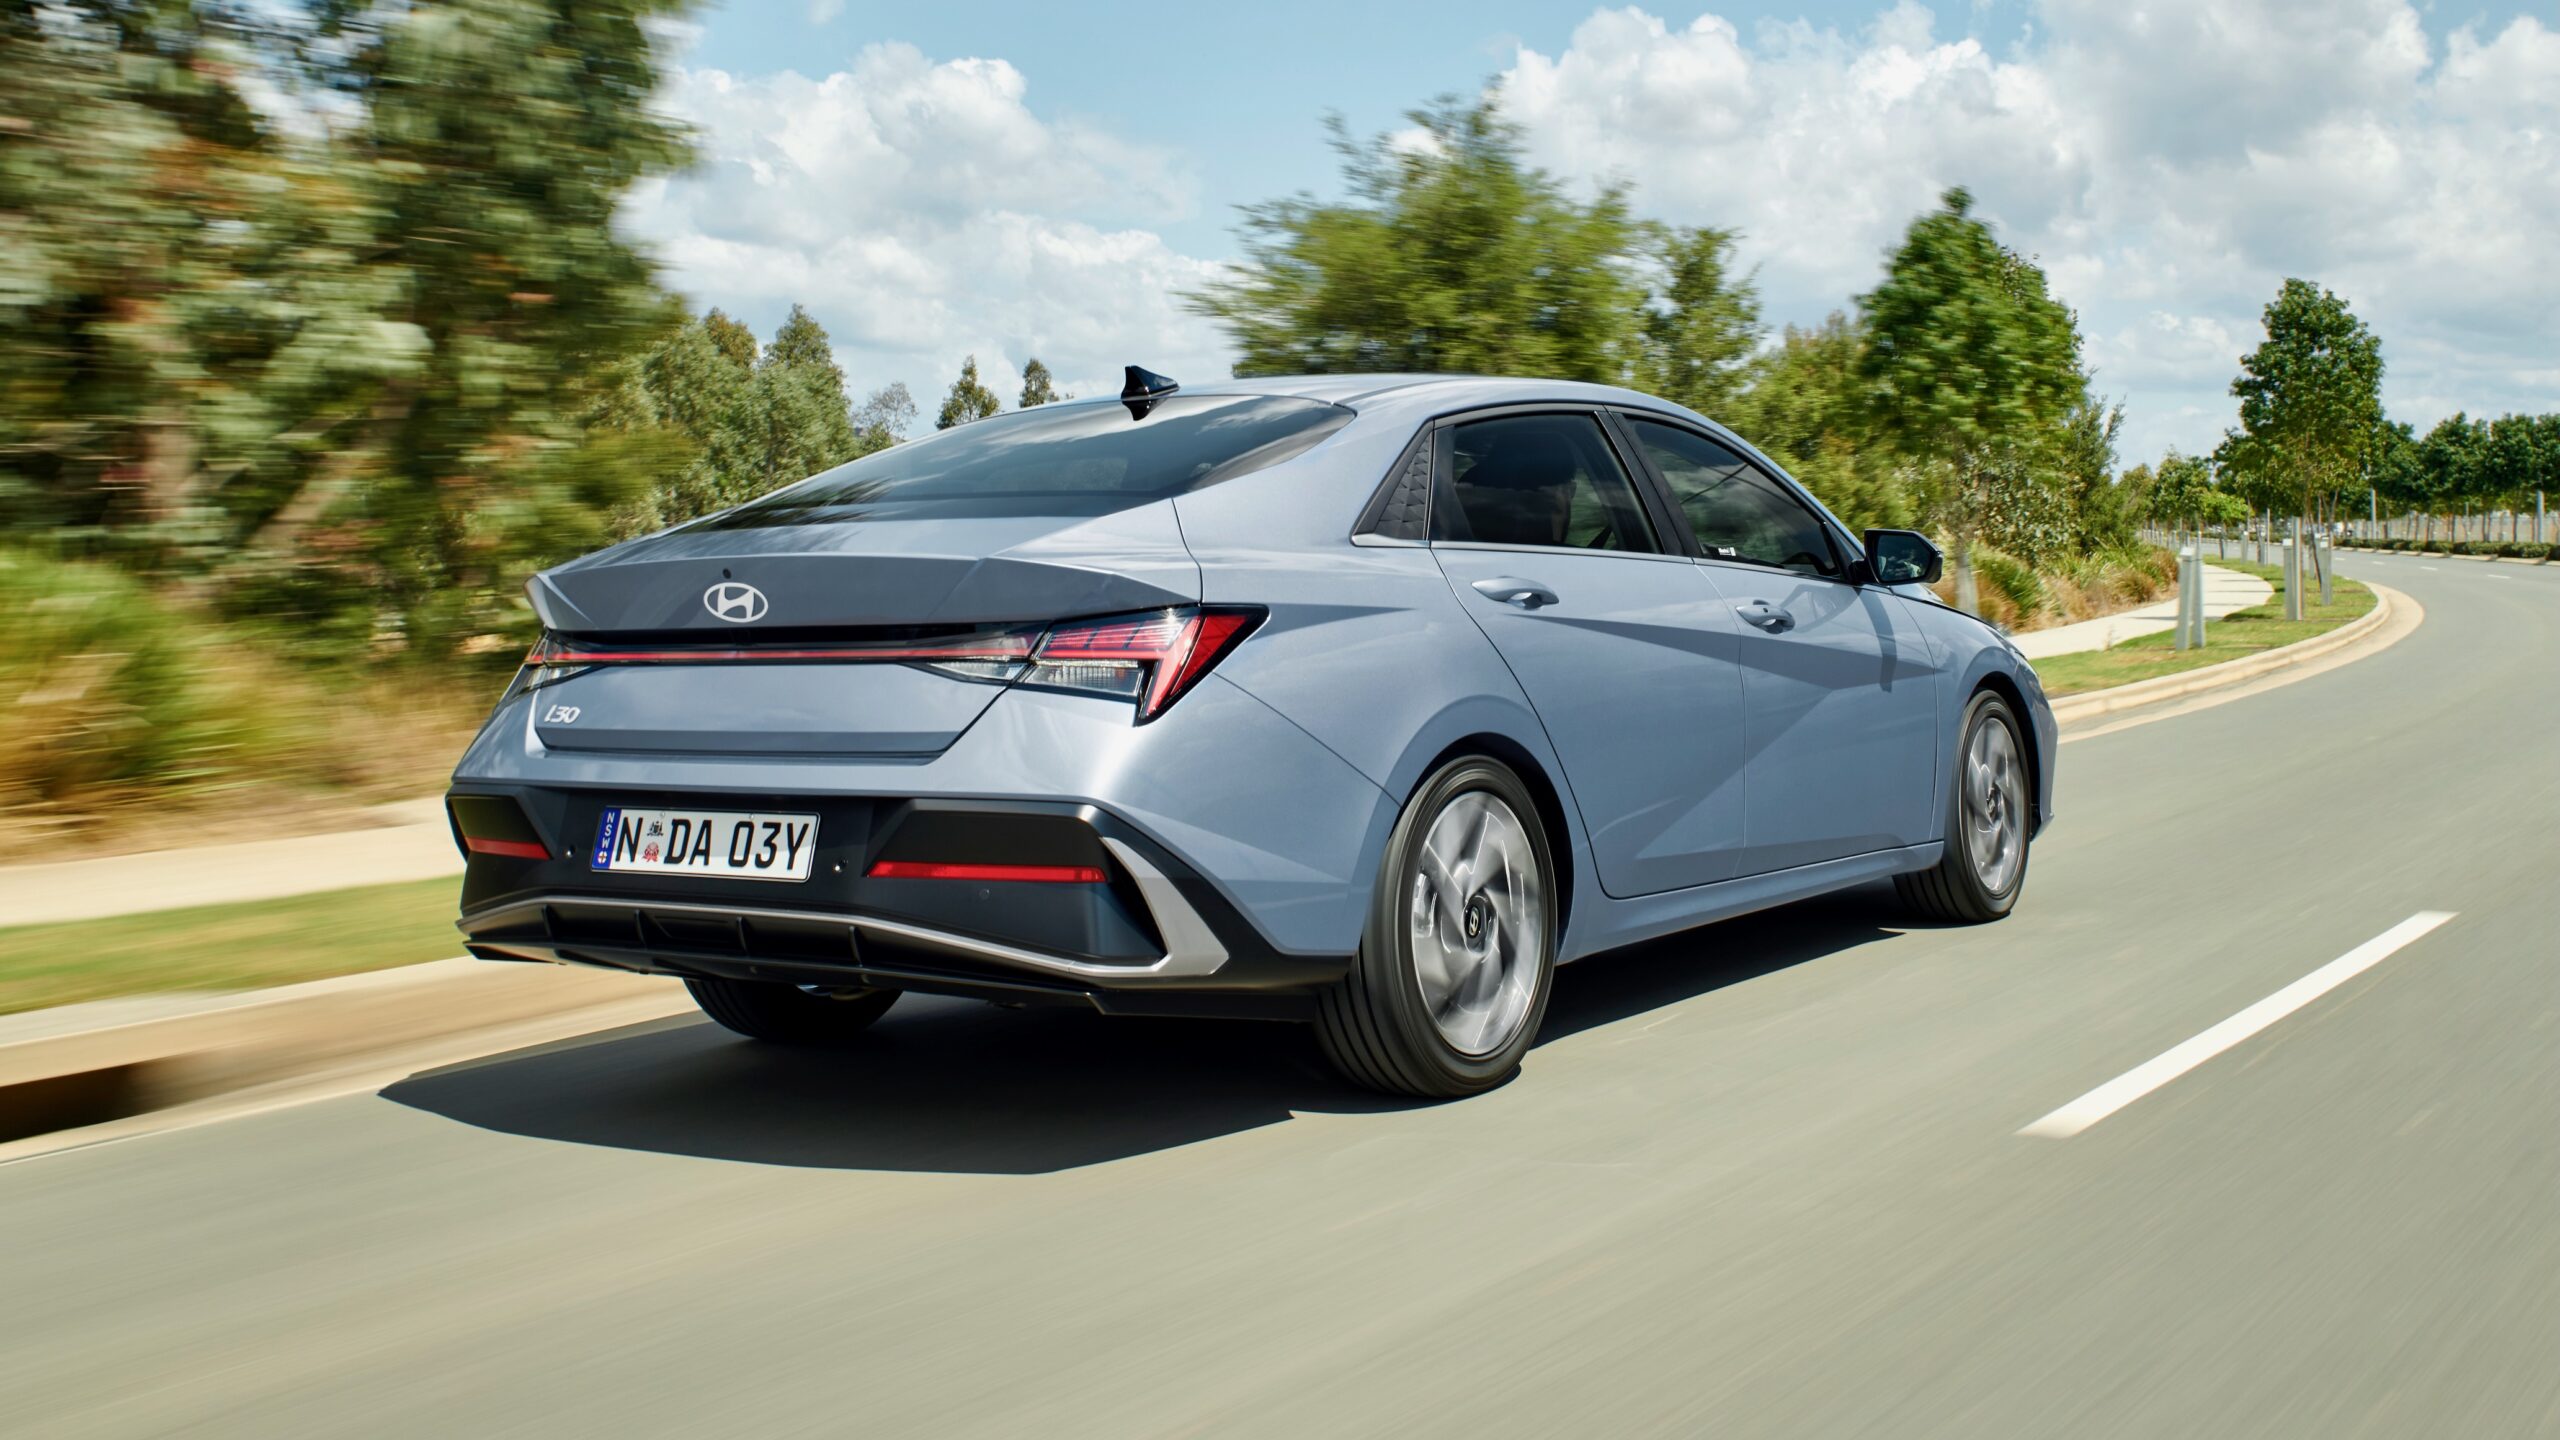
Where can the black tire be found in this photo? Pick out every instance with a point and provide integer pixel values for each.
(1957, 890)
(787, 1014)
(1375, 1026)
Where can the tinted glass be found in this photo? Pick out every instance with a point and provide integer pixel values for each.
(1539, 480)
(1737, 512)
(1069, 460)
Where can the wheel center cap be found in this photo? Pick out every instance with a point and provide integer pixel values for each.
(1479, 914)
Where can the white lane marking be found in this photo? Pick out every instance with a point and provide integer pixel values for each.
(2502, 577)
(2430, 567)
(2151, 1074)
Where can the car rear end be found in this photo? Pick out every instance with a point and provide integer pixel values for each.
(947, 720)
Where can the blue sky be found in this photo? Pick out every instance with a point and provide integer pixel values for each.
(1018, 180)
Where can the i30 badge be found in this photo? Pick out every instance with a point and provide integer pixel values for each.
(734, 601)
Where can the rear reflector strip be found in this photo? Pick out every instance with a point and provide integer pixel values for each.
(929, 870)
(1006, 648)
(519, 849)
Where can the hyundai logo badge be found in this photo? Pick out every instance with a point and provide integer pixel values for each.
(734, 601)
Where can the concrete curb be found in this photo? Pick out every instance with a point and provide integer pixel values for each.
(2441, 555)
(2116, 698)
(91, 1065)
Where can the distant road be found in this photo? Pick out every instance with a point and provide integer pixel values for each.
(1765, 1179)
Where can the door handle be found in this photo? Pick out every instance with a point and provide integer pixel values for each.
(1511, 590)
(1765, 615)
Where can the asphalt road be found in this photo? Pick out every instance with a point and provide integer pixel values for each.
(1765, 1179)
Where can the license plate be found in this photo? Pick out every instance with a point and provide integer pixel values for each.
(724, 843)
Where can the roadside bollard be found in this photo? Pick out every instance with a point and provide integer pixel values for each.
(2293, 573)
(2197, 608)
(2186, 584)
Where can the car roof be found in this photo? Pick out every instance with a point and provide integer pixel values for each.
(1440, 391)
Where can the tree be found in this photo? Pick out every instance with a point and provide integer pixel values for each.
(1450, 253)
(969, 399)
(2180, 492)
(2522, 457)
(1972, 369)
(803, 342)
(886, 416)
(2099, 519)
(497, 141)
(1806, 408)
(2310, 401)
(735, 342)
(732, 432)
(1701, 330)
(1036, 387)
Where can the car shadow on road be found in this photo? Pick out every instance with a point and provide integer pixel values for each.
(963, 1087)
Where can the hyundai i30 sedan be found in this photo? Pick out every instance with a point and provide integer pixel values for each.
(1364, 701)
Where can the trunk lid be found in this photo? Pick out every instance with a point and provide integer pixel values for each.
(905, 586)
(874, 573)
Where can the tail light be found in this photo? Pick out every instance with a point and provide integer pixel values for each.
(1152, 658)
(542, 665)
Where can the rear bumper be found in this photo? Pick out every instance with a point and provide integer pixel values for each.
(1154, 938)
(1270, 837)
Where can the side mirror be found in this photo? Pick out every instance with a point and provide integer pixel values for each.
(1903, 557)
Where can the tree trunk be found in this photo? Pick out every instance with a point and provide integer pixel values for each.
(1968, 598)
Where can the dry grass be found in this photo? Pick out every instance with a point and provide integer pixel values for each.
(133, 722)
(2021, 598)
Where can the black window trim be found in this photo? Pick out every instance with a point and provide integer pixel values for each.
(1845, 550)
(1669, 533)
(1374, 514)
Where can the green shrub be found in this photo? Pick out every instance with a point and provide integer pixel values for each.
(2011, 578)
(108, 691)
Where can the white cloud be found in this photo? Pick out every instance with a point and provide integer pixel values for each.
(923, 211)
(823, 11)
(2169, 161)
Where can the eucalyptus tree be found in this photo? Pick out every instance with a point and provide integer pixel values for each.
(969, 399)
(1037, 386)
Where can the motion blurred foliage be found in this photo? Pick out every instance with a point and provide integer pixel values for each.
(1952, 395)
(1450, 253)
(302, 308)
(1974, 374)
(108, 691)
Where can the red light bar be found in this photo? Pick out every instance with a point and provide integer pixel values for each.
(1010, 647)
(934, 870)
(519, 849)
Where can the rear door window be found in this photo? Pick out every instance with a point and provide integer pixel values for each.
(1736, 511)
(1546, 480)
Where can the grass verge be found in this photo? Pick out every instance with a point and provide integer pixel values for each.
(2236, 636)
(229, 947)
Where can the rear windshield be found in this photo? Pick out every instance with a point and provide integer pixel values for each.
(1070, 460)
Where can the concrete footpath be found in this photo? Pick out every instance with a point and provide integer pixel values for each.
(414, 843)
(2224, 592)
